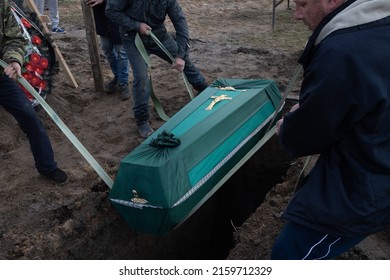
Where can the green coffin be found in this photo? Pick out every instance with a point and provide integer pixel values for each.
(157, 188)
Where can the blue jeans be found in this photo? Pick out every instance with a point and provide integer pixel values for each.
(297, 242)
(117, 58)
(141, 82)
(13, 99)
(52, 5)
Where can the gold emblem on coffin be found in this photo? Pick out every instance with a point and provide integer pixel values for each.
(216, 100)
(137, 199)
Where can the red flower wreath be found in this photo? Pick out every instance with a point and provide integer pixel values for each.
(36, 68)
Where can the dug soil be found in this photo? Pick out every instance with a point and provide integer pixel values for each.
(42, 220)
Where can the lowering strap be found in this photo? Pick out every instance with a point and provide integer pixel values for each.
(290, 85)
(162, 47)
(141, 48)
(279, 107)
(95, 165)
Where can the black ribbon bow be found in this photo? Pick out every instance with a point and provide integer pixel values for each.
(165, 139)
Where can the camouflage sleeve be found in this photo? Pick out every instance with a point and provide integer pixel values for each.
(13, 42)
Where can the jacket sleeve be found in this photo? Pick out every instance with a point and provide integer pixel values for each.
(13, 48)
(328, 109)
(116, 12)
(179, 21)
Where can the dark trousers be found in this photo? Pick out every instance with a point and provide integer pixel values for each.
(141, 82)
(13, 99)
(296, 242)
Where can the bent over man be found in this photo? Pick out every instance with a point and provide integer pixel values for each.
(139, 16)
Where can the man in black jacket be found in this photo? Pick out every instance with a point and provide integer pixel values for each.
(139, 16)
(343, 115)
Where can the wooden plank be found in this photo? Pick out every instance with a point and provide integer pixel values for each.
(60, 58)
(93, 46)
(45, 19)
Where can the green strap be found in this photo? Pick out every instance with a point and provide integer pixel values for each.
(164, 49)
(141, 48)
(302, 173)
(280, 105)
(286, 93)
(157, 104)
(298, 70)
(100, 171)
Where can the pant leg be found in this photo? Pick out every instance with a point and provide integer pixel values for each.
(13, 99)
(123, 64)
(110, 54)
(192, 73)
(141, 81)
(40, 5)
(52, 5)
(296, 242)
(117, 58)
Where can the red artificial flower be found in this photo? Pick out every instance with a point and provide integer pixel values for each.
(26, 23)
(36, 40)
(27, 76)
(41, 85)
(35, 81)
(35, 58)
(44, 62)
(29, 67)
(39, 71)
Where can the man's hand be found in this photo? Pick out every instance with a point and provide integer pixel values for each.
(179, 64)
(280, 122)
(93, 3)
(13, 70)
(293, 108)
(278, 125)
(144, 29)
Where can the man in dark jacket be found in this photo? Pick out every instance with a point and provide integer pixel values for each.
(139, 16)
(343, 115)
(13, 99)
(111, 45)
